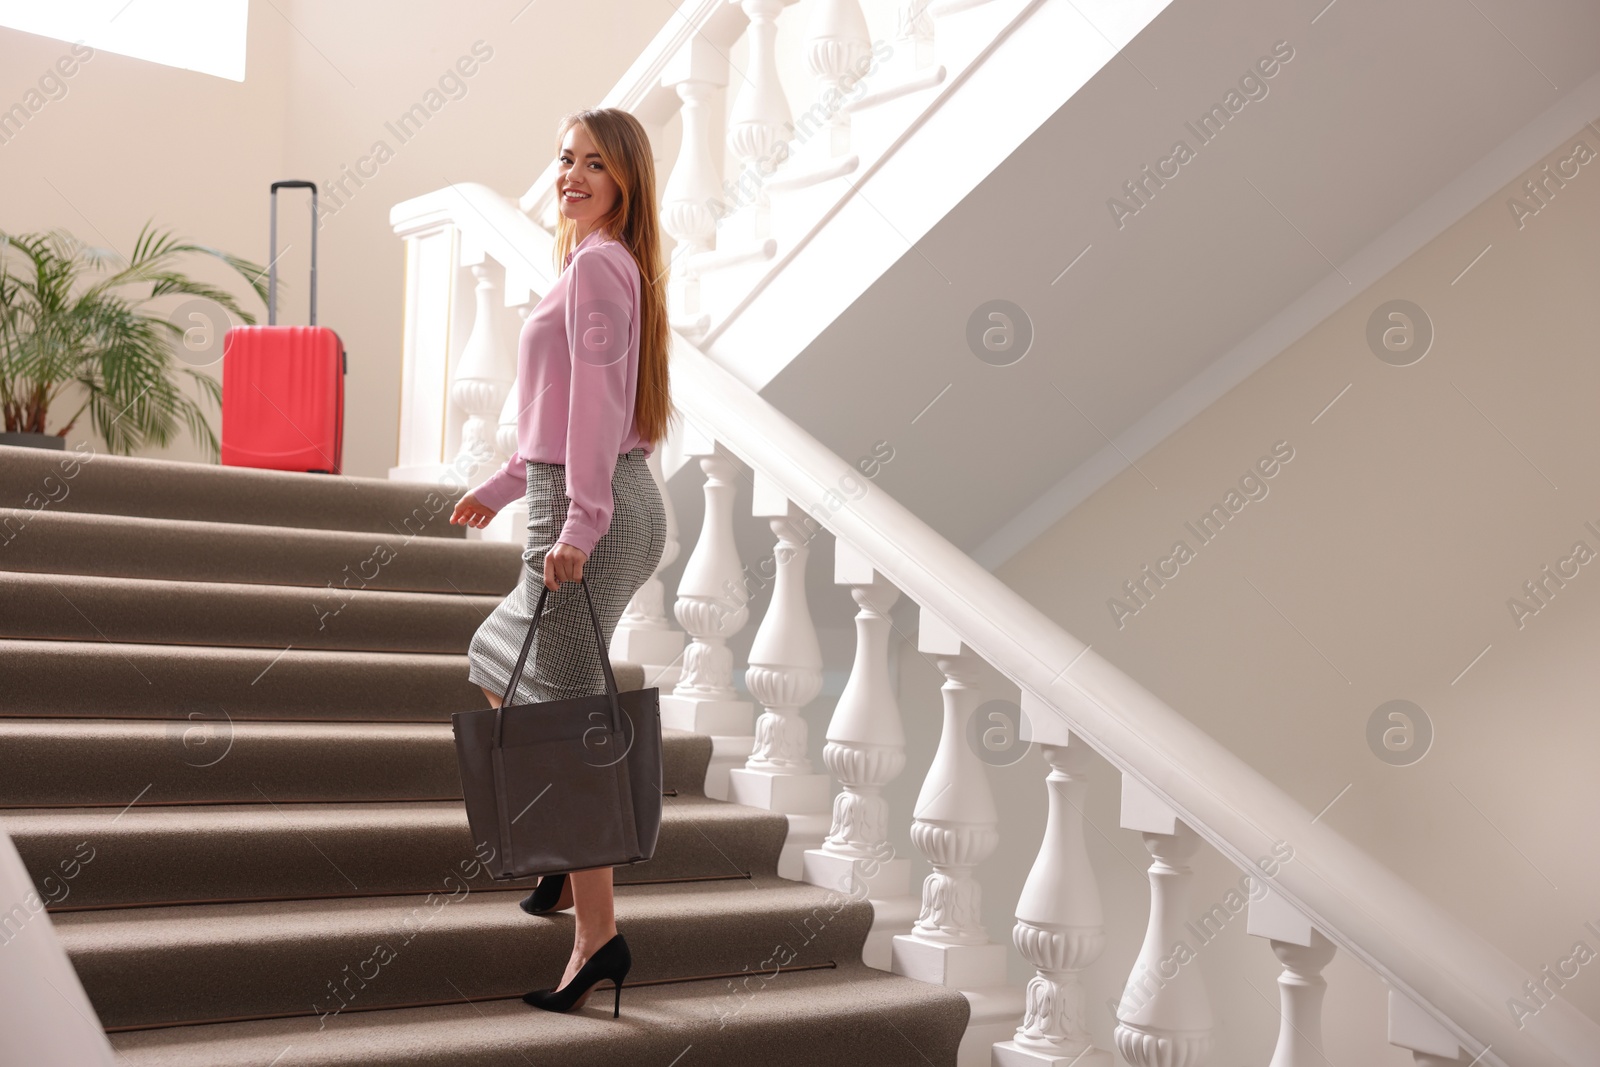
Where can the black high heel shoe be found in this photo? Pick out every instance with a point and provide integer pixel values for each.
(611, 960)
(546, 896)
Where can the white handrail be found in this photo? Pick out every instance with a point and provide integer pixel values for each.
(1360, 904)
(494, 226)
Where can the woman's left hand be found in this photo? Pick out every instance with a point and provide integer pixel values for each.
(563, 563)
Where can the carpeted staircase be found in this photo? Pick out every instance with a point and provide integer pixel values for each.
(226, 758)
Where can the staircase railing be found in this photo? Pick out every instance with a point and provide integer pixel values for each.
(729, 236)
(1448, 987)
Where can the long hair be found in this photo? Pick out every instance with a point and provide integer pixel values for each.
(624, 150)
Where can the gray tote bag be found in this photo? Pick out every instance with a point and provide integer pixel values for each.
(562, 785)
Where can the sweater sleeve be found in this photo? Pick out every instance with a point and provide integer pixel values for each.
(600, 315)
(504, 485)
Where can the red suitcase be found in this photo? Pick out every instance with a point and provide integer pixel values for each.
(283, 386)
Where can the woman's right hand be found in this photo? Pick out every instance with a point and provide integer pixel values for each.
(469, 512)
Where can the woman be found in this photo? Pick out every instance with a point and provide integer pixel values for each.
(593, 401)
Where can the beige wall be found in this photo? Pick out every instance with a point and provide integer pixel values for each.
(132, 140)
(1380, 564)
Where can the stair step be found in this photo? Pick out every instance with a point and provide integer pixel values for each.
(74, 607)
(275, 851)
(227, 760)
(156, 966)
(37, 480)
(218, 760)
(852, 1014)
(100, 679)
(188, 550)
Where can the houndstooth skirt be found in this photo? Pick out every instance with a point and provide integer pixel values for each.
(564, 661)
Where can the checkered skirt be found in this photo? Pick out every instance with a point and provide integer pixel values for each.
(564, 661)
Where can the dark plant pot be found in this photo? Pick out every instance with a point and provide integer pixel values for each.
(35, 440)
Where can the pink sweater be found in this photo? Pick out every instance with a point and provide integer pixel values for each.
(577, 375)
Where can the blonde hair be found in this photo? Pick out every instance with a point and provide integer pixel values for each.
(624, 149)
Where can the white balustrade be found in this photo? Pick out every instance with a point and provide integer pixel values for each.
(464, 407)
(1164, 1018)
(1060, 928)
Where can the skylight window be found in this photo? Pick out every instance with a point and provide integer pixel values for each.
(201, 35)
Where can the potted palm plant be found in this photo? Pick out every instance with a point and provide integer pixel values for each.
(75, 323)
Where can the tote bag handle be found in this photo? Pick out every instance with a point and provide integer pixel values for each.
(527, 644)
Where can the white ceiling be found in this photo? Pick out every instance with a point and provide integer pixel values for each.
(1383, 110)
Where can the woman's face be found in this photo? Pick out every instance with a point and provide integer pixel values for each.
(585, 188)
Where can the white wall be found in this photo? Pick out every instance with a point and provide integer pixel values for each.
(1378, 567)
(132, 140)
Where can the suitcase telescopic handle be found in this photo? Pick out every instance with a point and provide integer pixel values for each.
(272, 251)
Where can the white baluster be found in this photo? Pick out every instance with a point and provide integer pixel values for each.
(692, 204)
(511, 524)
(912, 58)
(1304, 952)
(866, 750)
(505, 436)
(955, 821)
(1060, 928)
(838, 52)
(759, 128)
(704, 699)
(484, 374)
(643, 634)
(954, 827)
(785, 674)
(1430, 1043)
(1164, 1019)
